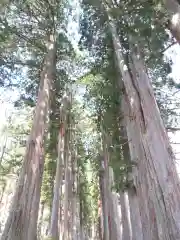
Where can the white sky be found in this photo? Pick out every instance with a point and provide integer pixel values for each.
(174, 54)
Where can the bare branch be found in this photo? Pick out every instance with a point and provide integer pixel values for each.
(164, 50)
(171, 129)
(18, 62)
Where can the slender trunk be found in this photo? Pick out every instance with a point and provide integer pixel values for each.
(93, 231)
(22, 221)
(78, 215)
(107, 191)
(74, 195)
(60, 203)
(74, 218)
(117, 212)
(41, 221)
(63, 154)
(113, 209)
(126, 232)
(100, 222)
(67, 158)
(2, 193)
(111, 232)
(66, 202)
(157, 173)
(105, 211)
(81, 220)
(173, 8)
(3, 150)
(71, 183)
(70, 200)
(54, 226)
(135, 215)
(54, 233)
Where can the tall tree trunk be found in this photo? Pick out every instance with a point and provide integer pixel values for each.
(41, 220)
(74, 222)
(113, 209)
(100, 220)
(66, 202)
(103, 193)
(22, 221)
(3, 150)
(54, 227)
(147, 136)
(173, 8)
(54, 233)
(148, 218)
(61, 197)
(135, 215)
(67, 158)
(70, 200)
(71, 181)
(107, 188)
(111, 232)
(126, 231)
(2, 192)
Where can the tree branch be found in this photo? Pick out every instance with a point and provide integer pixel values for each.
(161, 52)
(19, 34)
(18, 62)
(171, 129)
(165, 49)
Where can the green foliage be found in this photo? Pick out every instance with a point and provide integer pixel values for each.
(48, 180)
(16, 133)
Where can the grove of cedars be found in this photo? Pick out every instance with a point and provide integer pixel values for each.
(94, 101)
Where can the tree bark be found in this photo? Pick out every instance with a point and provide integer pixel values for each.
(117, 216)
(126, 232)
(3, 190)
(105, 212)
(22, 220)
(135, 218)
(108, 181)
(55, 216)
(135, 215)
(3, 150)
(113, 209)
(41, 220)
(74, 217)
(54, 232)
(100, 220)
(149, 145)
(67, 159)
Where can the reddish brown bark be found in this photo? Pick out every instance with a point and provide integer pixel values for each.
(67, 170)
(135, 215)
(157, 177)
(22, 221)
(126, 232)
(54, 232)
